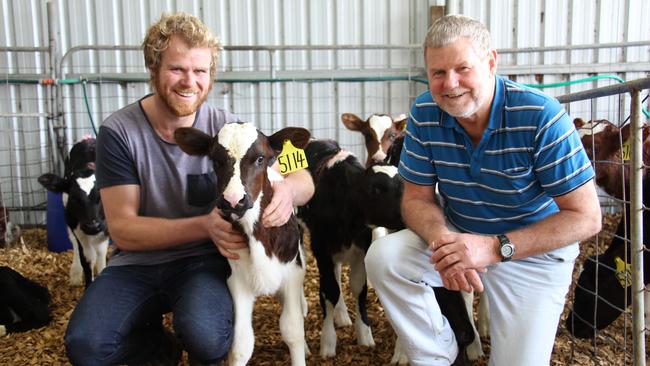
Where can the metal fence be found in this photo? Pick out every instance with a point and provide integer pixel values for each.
(633, 314)
(42, 117)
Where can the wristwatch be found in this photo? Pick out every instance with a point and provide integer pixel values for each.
(506, 248)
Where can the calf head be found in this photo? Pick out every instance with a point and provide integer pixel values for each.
(379, 132)
(380, 192)
(240, 156)
(80, 194)
(603, 142)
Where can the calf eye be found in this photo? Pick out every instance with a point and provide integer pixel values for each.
(260, 160)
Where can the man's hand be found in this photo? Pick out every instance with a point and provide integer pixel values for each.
(279, 210)
(469, 281)
(458, 257)
(224, 235)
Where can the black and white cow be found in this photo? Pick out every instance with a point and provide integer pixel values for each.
(24, 304)
(349, 201)
(83, 212)
(274, 261)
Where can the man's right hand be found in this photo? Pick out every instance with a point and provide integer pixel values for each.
(224, 235)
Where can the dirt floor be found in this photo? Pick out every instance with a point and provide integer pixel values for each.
(45, 346)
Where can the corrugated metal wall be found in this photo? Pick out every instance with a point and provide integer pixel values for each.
(312, 93)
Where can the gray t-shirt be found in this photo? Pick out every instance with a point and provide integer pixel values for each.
(172, 183)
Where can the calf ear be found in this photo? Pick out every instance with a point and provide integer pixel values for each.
(192, 141)
(578, 123)
(354, 123)
(400, 122)
(299, 137)
(53, 182)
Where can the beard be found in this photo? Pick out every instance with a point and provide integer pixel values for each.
(176, 107)
(464, 108)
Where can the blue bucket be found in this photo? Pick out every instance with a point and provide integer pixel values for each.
(57, 230)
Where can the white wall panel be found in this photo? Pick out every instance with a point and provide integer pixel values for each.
(316, 105)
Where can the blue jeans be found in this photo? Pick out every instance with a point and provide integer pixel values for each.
(119, 318)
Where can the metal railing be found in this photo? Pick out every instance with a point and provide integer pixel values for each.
(636, 200)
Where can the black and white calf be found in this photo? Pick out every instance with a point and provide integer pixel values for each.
(83, 212)
(274, 261)
(24, 304)
(348, 201)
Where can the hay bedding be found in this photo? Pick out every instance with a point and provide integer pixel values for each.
(44, 346)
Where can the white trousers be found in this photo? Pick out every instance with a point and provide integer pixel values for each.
(526, 298)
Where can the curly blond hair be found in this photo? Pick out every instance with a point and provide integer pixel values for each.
(187, 27)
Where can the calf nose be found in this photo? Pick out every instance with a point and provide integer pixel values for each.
(238, 208)
(233, 199)
(93, 227)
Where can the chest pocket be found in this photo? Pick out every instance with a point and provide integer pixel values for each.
(201, 189)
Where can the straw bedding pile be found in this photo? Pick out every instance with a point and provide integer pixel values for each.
(44, 346)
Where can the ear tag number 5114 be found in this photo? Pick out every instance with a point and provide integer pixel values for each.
(291, 158)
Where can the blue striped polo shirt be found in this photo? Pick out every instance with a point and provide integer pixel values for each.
(529, 153)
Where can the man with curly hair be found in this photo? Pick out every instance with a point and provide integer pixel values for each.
(171, 243)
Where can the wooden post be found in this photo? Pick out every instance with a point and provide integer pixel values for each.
(435, 13)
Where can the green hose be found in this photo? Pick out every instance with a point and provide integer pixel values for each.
(90, 115)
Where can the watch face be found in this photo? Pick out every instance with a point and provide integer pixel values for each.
(507, 250)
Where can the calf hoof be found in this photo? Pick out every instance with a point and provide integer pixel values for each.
(3, 330)
(307, 351)
(327, 342)
(475, 350)
(77, 281)
(327, 350)
(341, 317)
(399, 356)
(364, 334)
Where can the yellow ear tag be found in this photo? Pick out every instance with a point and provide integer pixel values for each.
(291, 158)
(626, 149)
(623, 272)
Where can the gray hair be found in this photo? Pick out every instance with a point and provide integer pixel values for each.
(450, 28)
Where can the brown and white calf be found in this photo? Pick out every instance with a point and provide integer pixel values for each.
(274, 261)
(380, 132)
(384, 137)
(83, 212)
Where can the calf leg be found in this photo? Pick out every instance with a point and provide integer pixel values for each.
(291, 321)
(483, 318)
(341, 316)
(330, 293)
(101, 248)
(359, 288)
(399, 355)
(76, 271)
(244, 339)
(474, 349)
